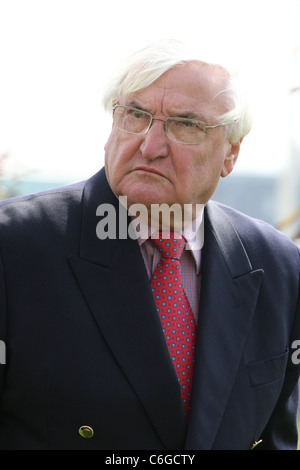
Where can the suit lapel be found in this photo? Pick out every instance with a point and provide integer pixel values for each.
(229, 292)
(113, 279)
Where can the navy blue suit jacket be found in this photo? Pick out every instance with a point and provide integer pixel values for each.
(84, 344)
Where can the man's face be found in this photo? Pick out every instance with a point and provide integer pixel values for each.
(150, 168)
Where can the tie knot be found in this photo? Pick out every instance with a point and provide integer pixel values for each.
(171, 245)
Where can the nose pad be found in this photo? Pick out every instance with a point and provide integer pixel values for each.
(155, 142)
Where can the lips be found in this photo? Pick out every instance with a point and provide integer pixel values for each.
(149, 170)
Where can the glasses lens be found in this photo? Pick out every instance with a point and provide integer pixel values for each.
(185, 130)
(131, 120)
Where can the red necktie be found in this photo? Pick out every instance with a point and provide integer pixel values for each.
(174, 311)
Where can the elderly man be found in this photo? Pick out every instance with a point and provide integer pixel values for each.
(125, 329)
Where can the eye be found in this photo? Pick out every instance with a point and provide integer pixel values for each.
(194, 126)
(137, 114)
(190, 124)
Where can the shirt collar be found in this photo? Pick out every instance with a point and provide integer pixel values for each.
(193, 234)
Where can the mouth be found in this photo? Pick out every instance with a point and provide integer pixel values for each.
(149, 170)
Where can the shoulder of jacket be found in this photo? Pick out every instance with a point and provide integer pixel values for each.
(35, 216)
(259, 236)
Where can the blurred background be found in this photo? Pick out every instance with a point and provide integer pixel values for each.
(56, 57)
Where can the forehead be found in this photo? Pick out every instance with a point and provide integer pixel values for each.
(194, 86)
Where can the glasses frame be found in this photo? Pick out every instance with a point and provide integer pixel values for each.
(154, 118)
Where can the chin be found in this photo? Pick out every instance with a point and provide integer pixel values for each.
(143, 194)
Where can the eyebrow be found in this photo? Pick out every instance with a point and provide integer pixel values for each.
(134, 104)
(191, 115)
(188, 114)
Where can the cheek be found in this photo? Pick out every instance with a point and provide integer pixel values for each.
(113, 153)
(198, 173)
(119, 152)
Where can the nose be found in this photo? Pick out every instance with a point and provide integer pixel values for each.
(155, 143)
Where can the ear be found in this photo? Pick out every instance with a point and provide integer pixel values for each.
(231, 158)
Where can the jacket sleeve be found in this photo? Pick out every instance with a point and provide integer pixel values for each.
(281, 433)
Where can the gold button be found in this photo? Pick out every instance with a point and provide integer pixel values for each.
(255, 444)
(86, 431)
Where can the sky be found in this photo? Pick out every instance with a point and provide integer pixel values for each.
(56, 57)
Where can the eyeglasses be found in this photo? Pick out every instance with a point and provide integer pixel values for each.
(183, 130)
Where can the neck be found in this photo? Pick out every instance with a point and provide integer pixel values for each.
(163, 217)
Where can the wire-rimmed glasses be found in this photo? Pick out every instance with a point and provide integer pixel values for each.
(183, 130)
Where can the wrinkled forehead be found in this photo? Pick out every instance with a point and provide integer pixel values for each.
(189, 83)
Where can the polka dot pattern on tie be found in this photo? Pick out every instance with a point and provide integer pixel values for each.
(175, 312)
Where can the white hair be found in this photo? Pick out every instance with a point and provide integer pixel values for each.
(145, 66)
